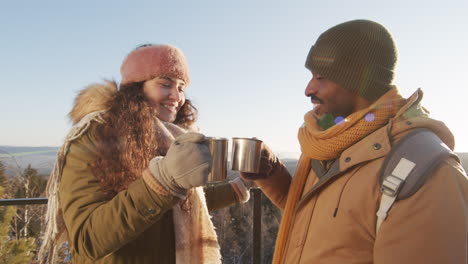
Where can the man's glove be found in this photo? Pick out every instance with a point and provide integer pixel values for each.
(186, 164)
(268, 164)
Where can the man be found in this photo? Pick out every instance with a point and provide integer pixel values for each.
(330, 205)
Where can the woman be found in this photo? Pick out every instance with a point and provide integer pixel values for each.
(112, 195)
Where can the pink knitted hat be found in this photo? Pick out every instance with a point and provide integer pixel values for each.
(153, 61)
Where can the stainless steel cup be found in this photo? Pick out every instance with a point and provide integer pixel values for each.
(246, 154)
(219, 152)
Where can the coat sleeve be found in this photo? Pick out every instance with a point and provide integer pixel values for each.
(96, 225)
(431, 226)
(276, 187)
(219, 196)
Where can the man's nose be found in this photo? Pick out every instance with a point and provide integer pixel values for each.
(310, 88)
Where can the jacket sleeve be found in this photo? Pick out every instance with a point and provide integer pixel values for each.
(431, 226)
(219, 196)
(96, 225)
(276, 187)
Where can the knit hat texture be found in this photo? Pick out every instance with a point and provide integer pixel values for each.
(359, 55)
(148, 62)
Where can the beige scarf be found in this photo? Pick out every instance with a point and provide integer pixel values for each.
(329, 144)
(196, 240)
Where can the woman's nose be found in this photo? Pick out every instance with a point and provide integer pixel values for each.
(175, 94)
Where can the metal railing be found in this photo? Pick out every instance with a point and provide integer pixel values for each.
(23, 201)
(257, 218)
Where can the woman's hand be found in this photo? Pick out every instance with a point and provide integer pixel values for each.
(186, 164)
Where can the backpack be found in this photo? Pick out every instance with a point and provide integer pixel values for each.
(408, 166)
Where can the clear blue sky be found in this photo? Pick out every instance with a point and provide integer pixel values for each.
(246, 59)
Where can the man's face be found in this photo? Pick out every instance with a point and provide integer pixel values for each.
(329, 97)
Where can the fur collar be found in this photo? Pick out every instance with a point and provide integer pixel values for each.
(93, 98)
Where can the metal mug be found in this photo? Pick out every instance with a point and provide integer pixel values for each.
(219, 153)
(246, 154)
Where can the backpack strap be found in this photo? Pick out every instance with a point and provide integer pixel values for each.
(407, 167)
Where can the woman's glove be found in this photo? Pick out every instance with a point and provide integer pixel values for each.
(241, 188)
(268, 164)
(186, 164)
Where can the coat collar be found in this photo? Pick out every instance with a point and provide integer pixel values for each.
(93, 98)
(372, 147)
(378, 144)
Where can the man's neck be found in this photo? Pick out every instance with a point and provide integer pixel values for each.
(360, 103)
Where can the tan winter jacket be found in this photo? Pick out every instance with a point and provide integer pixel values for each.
(135, 226)
(335, 221)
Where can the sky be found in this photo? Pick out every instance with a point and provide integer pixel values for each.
(246, 59)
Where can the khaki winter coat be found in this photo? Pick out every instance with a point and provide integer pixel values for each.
(335, 220)
(135, 226)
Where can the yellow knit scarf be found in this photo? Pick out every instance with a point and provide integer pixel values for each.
(329, 144)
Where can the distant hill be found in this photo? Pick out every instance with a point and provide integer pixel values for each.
(40, 158)
(43, 158)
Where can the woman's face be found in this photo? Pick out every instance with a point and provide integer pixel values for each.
(166, 95)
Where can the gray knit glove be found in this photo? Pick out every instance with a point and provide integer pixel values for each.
(186, 164)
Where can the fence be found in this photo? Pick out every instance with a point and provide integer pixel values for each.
(257, 218)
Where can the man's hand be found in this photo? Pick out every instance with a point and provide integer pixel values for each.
(268, 163)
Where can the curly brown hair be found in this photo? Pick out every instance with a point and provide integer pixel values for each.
(127, 140)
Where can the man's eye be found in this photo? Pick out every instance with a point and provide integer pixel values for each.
(166, 85)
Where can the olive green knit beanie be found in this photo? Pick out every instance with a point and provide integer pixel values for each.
(359, 55)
